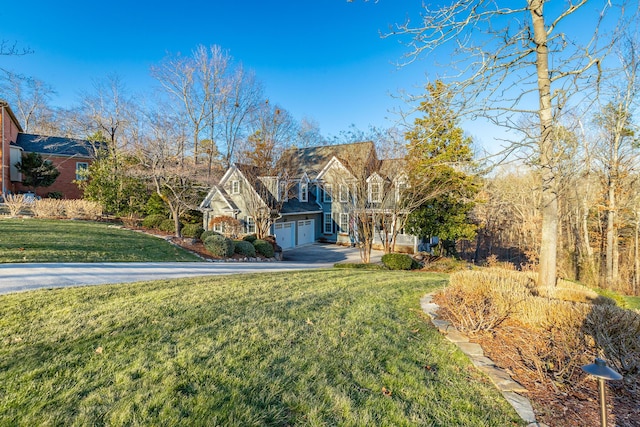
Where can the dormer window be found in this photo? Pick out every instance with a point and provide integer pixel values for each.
(304, 192)
(283, 191)
(401, 187)
(375, 192)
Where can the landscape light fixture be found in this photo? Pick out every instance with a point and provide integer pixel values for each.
(602, 372)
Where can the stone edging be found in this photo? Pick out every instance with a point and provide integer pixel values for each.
(511, 390)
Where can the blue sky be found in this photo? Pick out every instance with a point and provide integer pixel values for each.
(323, 59)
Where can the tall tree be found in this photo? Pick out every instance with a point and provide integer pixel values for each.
(30, 99)
(617, 151)
(197, 85)
(438, 161)
(506, 57)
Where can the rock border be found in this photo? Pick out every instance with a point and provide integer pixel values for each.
(510, 389)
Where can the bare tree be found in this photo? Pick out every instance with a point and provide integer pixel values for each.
(30, 99)
(617, 152)
(243, 97)
(198, 86)
(513, 57)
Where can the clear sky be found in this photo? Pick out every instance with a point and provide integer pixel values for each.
(320, 59)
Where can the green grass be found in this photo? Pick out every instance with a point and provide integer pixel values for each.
(320, 348)
(36, 240)
(632, 302)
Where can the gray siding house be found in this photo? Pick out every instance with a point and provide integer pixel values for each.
(311, 196)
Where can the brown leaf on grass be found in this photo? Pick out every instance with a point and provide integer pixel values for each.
(309, 322)
(386, 392)
(99, 350)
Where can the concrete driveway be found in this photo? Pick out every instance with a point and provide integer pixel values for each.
(24, 277)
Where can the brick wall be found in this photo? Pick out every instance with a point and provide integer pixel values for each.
(64, 184)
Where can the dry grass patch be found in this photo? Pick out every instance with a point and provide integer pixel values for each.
(544, 337)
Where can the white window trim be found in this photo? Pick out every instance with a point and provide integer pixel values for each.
(344, 217)
(327, 193)
(344, 193)
(327, 226)
(249, 224)
(85, 167)
(235, 187)
(378, 199)
(400, 186)
(304, 192)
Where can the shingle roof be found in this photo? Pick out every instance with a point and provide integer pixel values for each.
(391, 168)
(313, 159)
(54, 145)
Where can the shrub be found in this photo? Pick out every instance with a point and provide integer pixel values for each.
(250, 238)
(192, 230)
(73, 209)
(55, 195)
(156, 206)
(245, 248)
(398, 261)
(230, 226)
(47, 208)
(208, 233)
(263, 248)
(219, 245)
(153, 221)
(15, 203)
(191, 216)
(481, 300)
(168, 226)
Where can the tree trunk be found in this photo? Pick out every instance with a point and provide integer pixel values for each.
(549, 208)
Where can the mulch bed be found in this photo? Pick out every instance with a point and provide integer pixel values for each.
(555, 404)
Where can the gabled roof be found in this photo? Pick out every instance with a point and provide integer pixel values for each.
(312, 160)
(294, 206)
(13, 117)
(392, 168)
(54, 145)
(206, 203)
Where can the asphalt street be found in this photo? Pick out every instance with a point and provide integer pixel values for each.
(23, 277)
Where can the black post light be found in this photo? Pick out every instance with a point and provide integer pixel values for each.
(602, 372)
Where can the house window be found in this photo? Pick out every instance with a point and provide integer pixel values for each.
(328, 189)
(82, 169)
(375, 195)
(344, 193)
(218, 227)
(328, 224)
(344, 223)
(304, 188)
(250, 225)
(235, 187)
(283, 192)
(401, 187)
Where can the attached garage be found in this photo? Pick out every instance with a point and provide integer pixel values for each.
(284, 232)
(306, 233)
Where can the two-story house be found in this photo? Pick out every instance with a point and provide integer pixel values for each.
(70, 156)
(314, 195)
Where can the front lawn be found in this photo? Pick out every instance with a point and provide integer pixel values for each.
(319, 348)
(40, 240)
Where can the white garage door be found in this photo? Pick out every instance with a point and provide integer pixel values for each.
(284, 234)
(306, 232)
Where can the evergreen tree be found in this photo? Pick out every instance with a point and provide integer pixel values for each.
(439, 154)
(37, 172)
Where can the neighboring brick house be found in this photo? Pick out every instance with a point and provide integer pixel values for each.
(315, 187)
(70, 156)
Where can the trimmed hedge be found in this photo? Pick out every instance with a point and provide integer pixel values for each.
(250, 238)
(219, 246)
(168, 226)
(208, 233)
(192, 230)
(263, 248)
(153, 221)
(398, 261)
(245, 248)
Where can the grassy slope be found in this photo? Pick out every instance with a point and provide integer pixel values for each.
(35, 240)
(339, 347)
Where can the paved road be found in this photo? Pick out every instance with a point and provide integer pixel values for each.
(24, 277)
